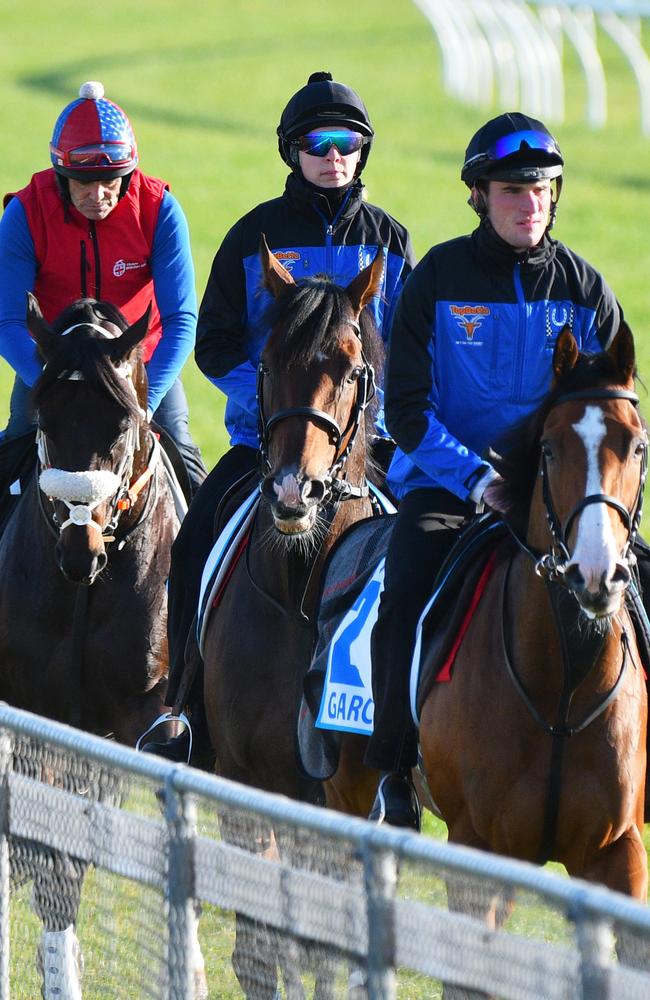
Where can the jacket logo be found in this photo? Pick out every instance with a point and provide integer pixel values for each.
(469, 319)
(286, 255)
(120, 267)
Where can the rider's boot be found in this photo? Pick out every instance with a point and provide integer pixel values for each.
(396, 801)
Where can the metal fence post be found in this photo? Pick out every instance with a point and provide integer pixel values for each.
(595, 942)
(6, 752)
(380, 878)
(180, 814)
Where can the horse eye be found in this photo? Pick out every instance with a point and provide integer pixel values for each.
(640, 449)
(354, 374)
(546, 450)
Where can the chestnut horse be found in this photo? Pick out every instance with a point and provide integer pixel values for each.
(85, 555)
(315, 383)
(551, 652)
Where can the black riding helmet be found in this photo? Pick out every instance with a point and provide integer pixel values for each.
(322, 101)
(513, 147)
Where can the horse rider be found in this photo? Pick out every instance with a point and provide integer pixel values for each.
(322, 223)
(469, 357)
(93, 225)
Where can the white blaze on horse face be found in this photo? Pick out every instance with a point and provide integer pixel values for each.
(595, 550)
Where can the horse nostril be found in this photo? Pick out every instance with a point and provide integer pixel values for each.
(573, 577)
(268, 488)
(314, 489)
(621, 574)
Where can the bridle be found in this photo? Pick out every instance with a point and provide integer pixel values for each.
(82, 492)
(335, 487)
(552, 565)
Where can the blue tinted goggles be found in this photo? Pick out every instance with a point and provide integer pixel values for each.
(320, 143)
(519, 142)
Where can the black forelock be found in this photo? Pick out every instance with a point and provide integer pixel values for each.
(85, 351)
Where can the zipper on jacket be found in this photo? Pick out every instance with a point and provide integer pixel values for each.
(329, 232)
(84, 269)
(521, 338)
(98, 274)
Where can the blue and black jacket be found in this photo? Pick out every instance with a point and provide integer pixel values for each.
(308, 239)
(471, 349)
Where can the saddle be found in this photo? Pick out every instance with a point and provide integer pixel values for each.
(453, 592)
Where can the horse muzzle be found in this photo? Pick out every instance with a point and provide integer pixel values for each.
(294, 502)
(598, 598)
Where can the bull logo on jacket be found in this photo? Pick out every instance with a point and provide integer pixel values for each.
(469, 319)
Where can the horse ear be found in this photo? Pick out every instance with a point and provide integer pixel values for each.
(119, 348)
(565, 354)
(276, 277)
(45, 337)
(621, 351)
(367, 283)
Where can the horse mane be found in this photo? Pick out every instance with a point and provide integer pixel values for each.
(86, 352)
(517, 459)
(309, 313)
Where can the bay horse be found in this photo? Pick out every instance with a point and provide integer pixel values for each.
(536, 748)
(316, 385)
(85, 555)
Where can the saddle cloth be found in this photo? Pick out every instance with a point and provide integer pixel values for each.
(225, 550)
(337, 692)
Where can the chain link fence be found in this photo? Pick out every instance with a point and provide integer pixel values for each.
(126, 877)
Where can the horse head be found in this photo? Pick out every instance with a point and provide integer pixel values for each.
(586, 504)
(315, 381)
(91, 404)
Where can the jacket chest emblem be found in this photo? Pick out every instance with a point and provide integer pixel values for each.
(469, 320)
(120, 267)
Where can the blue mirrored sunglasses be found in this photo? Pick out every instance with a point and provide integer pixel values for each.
(517, 142)
(320, 143)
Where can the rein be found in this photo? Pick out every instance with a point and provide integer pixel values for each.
(336, 487)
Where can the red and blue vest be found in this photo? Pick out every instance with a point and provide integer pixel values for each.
(108, 259)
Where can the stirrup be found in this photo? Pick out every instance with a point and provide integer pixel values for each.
(169, 717)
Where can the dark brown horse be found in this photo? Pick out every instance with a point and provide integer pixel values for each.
(536, 749)
(83, 566)
(85, 557)
(316, 381)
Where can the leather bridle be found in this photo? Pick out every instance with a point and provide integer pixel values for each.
(552, 565)
(335, 487)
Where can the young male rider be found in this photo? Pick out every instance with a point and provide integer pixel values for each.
(93, 225)
(321, 224)
(469, 357)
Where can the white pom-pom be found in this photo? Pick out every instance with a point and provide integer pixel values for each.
(92, 90)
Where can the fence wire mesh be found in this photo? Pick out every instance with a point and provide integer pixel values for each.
(287, 905)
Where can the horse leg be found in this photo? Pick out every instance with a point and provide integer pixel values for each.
(623, 867)
(57, 893)
(255, 956)
(474, 898)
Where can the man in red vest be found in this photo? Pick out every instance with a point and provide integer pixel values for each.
(93, 225)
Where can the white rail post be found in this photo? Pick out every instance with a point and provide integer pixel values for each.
(380, 876)
(595, 941)
(180, 814)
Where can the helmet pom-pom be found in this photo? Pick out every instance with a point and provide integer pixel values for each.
(92, 90)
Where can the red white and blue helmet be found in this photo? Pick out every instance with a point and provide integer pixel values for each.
(93, 138)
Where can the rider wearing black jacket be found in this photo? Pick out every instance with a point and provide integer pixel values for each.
(321, 224)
